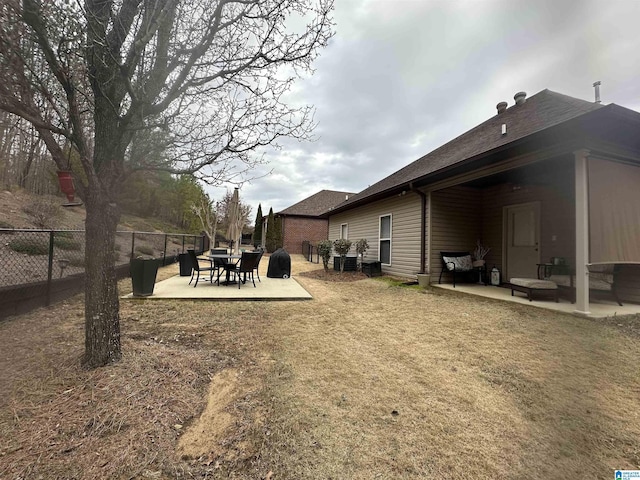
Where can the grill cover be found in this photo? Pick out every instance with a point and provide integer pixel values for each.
(279, 264)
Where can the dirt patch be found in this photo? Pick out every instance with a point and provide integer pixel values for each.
(205, 435)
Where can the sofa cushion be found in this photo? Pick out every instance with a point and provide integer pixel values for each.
(534, 283)
(461, 264)
(596, 281)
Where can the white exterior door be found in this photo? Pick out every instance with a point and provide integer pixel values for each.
(522, 225)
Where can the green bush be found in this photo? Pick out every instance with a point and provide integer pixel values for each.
(144, 250)
(324, 250)
(77, 262)
(29, 246)
(342, 246)
(4, 224)
(65, 243)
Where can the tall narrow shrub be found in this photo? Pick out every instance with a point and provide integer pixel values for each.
(279, 233)
(271, 232)
(257, 231)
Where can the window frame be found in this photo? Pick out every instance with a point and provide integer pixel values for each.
(385, 239)
(344, 227)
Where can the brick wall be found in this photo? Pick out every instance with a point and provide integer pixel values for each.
(299, 229)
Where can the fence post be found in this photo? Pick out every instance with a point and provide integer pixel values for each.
(50, 268)
(183, 237)
(164, 255)
(133, 243)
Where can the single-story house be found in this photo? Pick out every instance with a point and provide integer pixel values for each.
(302, 222)
(550, 176)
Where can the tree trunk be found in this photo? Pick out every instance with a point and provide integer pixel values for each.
(102, 306)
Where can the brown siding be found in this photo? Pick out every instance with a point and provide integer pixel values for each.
(461, 215)
(299, 229)
(363, 222)
(557, 218)
(455, 223)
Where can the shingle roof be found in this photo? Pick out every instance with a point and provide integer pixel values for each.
(541, 111)
(316, 204)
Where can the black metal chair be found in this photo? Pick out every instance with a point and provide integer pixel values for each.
(261, 251)
(459, 263)
(219, 263)
(197, 268)
(248, 263)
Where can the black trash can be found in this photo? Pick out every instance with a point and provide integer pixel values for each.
(185, 264)
(279, 264)
(143, 275)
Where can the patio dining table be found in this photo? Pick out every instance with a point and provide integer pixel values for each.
(229, 258)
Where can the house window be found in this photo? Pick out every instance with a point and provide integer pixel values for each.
(344, 231)
(384, 250)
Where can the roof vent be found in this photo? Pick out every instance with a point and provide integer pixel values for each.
(502, 107)
(520, 97)
(597, 87)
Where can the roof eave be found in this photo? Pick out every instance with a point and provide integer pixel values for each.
(465, 165)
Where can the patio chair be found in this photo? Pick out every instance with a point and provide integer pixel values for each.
(197, 268)
(219, 263)
(247, 265)
(602, 282)
(459, 263)
(261, 251)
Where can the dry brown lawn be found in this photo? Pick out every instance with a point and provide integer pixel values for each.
(370, 379)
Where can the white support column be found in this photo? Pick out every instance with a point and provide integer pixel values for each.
(582, 232)
(429, 207)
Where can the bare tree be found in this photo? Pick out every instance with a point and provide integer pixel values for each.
(207, 77)
(208, 212)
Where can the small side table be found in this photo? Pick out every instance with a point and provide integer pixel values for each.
(482, 274)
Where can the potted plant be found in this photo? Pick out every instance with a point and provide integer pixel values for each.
(479, 253)
(143, 272)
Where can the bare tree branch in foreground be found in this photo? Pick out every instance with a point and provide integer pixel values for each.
(205, 79)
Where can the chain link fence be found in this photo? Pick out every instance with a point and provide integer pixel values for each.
(41, 264)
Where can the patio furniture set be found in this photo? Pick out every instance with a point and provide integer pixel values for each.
(232, 266)
(555, 280)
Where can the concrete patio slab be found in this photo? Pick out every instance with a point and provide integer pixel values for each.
(267, 289)
(598, 308)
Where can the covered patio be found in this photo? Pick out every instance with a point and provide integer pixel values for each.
(598, 309)
(571, 214)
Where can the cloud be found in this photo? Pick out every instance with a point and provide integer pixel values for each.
(401, 78)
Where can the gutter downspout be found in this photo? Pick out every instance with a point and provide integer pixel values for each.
(423, 233)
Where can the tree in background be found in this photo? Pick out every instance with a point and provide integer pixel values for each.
(257, 229)
(225, 212)
(199, 80)
(278, 232)
(208, 212)
(271, 237)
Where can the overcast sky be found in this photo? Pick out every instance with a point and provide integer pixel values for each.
(402, 77)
